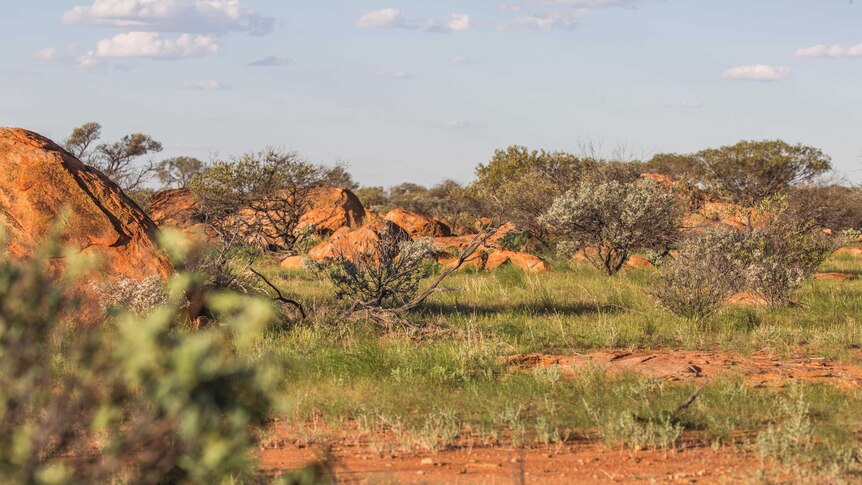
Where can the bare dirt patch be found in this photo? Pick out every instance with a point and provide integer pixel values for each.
(587, 462)
(677, 365)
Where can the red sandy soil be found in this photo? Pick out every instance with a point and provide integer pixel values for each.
(759, 369)
(357, 456)
(586, 462)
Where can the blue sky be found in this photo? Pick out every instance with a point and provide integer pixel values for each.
(422, 91)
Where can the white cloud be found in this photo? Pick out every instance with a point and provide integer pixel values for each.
(198, 16)
(151, 44)
(549, 15)
(393, 75)
(387, 18)
(543, 22)
(209, 85)
(457, 22)
(590, 4)
(459, 125)
(272, 61)
(48, 54)
(682, 105)
(835, 51)
(461, 60)
(757, 72)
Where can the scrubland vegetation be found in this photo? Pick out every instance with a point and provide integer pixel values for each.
(396, 341)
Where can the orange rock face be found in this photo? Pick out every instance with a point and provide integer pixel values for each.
(40, 182)
(639, 262)
(835, 276)
(176, 207)
(346, 242)
(330, 209)
(527, 262)
(849, 251)
(292, 262)
(747, 299)
(417, 225)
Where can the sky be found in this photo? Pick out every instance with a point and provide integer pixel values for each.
(422, 91)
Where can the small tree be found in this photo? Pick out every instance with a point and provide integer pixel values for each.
(752, 171)
(82, 138)
(338, 176)
(611, 220)
(523, 183)
(258, 198)
(115, 160)
(709, 268)
(178, 172)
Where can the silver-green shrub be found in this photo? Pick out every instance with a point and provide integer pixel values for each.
(708, 269)
(612, 220)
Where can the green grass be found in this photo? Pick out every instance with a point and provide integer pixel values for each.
(433, 392)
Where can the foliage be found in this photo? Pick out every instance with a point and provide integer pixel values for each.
(143, 196)
(381, 275)
(447, 200)
(136, 400)
(522, 184)
(116, 160)
(677, 166)
(831, 206)
(785, 252)
(611, 220)
(258, 198)
(137, 297)
(748, 172)
(338, 176)
(373, 198)
(178, 172)
(707, 270)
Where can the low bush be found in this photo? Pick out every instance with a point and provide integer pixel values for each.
(708, 269)
(382, 275)
(132, 400)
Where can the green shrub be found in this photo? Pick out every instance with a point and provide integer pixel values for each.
(136, 399)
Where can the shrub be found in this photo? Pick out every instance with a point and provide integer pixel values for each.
(520, 184)
(709, 268)
(258, 198)
(133, 400)
(381, 275)
(137, 297)
(612, 220)
(785, 252)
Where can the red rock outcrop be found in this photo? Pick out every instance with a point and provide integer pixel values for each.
(418, 225)
(40, 183)
(176, 207)
(527, 262)
(330, 209)
(346, 242)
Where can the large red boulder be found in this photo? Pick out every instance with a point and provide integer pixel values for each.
(42, 184)
(418, 225)
(176, 207)
(366, 239)
(329, 209)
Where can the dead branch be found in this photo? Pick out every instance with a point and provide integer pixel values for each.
(690, 399)
(279, 296)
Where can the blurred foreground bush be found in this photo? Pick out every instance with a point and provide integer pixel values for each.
(135, 399)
